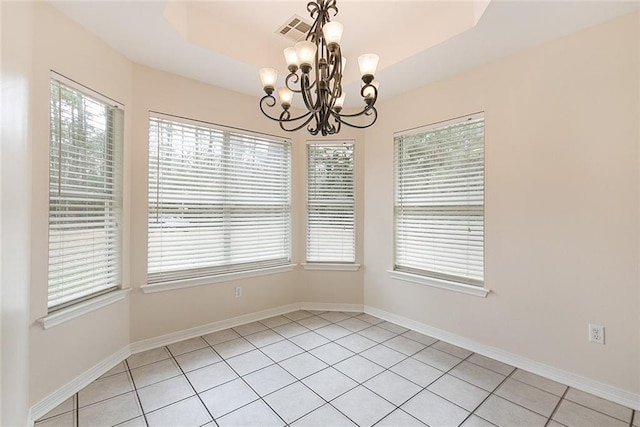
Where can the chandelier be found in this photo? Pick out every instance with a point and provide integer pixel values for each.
(321, 64)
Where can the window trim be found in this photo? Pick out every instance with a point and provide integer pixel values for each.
(73, 311)
(439, 283)
(219, 278)
(331, 264)
(427, 279)
(70, 309)
(82, 88)
(158, 286)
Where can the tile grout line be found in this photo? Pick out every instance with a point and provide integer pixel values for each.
(76, 409)
(135, 389)
(184, 374)
(261, 398)
(385, 369)
(557, 407)
(491, 393)
(596, 410)
(396, 334)
(300, 380)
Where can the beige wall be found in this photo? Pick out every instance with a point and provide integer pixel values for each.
(61, 353)
(15, 168)
(160, 313)
(331, 287)
(561, 204)
(61, 45)
(156, 314)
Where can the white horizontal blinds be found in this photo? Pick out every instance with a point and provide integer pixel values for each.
(439, 201)
(219, 201)
(84, 196)
(330, 202)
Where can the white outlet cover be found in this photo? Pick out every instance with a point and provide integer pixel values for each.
(596, 334)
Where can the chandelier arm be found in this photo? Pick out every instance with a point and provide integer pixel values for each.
(270, 101)
(374, 98)
(307, 97)
(367, 112)
(312, 130)
(338, 125)
(313, 8)
(331, 5)
(336, 91)
(336, 62)
(296, 79)
(298, 127)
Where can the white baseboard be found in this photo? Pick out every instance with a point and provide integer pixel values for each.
(174, 337)
(72, 387)
(329, 306)
(614, 394)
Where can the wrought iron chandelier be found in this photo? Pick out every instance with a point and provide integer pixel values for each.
(321, 64)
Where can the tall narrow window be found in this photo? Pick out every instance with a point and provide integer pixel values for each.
(219, 200)
(330, 202)
(85, 194)
(439, 201)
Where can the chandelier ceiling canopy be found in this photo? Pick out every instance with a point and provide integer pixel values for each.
(316, 67)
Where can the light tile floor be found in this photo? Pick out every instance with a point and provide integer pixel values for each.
(309, 368)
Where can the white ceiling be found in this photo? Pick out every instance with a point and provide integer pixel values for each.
(224, 43)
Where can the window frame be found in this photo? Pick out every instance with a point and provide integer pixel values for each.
(113, 179)
(331, 263)
(424, 276)
(157, 283)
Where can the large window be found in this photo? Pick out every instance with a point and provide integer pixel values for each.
(219, 200)
(84, 194)
(439, 201)
(330, 202)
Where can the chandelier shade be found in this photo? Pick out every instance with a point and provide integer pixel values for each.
(316, 68)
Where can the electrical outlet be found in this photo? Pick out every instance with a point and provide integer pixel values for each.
(596, 334)
(238, 291)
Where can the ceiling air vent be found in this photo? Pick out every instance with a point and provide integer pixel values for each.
(295, 28)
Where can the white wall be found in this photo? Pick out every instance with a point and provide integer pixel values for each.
(561, 204)
(16, 23)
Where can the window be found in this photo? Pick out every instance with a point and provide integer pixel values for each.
(439, 201)
(85, 196)
(219, 201)
(330, 202)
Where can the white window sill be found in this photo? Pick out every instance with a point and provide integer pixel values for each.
(178, 284)
(326, 266)
(77, 310)
(439, 283)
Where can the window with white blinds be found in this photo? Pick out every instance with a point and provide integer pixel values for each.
(330, 202)
(439, 201)
(85, 197)
(219, 200)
